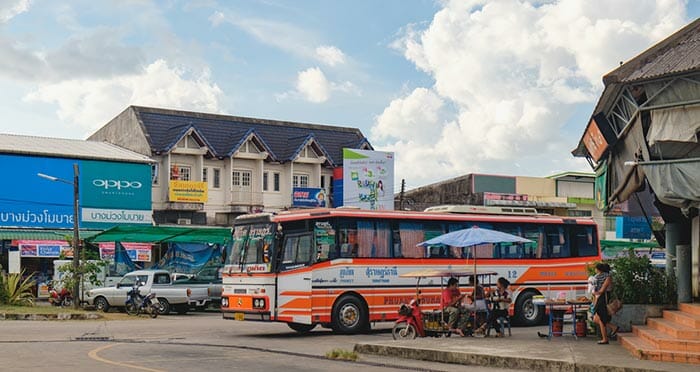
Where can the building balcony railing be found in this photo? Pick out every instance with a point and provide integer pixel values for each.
(246, 197)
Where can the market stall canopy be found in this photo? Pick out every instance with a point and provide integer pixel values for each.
(164, 234)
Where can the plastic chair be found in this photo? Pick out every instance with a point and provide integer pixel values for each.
(503, 321)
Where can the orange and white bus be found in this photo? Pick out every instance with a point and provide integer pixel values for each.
(341, 268)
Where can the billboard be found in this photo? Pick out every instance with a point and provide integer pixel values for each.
(110, 193)
(309, 197)
(628, 227)
(188, 191)
(368, 179)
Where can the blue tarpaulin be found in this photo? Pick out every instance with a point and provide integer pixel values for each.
(188, 258)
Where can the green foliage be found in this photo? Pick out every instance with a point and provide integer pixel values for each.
(15, 290)
(637, 281)
(342, 354)
(89, 270)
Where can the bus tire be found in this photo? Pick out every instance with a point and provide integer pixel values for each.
(301, 328)
(350, 315)
(526, 312)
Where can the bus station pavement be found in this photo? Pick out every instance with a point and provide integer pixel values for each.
(523, 350)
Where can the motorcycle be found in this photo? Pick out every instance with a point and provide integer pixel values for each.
(137, 304)
(413, 321)
(61, 298)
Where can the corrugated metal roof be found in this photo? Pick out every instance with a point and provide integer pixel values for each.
(678, 53)
(67, 148)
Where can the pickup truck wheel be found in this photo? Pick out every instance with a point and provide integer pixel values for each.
(164, 306)
(101, 304)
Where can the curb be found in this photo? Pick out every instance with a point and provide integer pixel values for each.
(61, 316)
(497, 361)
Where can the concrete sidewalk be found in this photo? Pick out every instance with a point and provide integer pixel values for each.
(524, 350)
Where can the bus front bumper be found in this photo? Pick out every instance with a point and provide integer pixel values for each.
(238, 315)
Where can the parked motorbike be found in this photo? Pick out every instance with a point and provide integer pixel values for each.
(61, 298)
(137, 304)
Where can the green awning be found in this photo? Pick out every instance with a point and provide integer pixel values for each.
(41, 234)
(625, 244)
(158, 234)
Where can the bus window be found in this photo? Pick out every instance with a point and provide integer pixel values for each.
(583, 240)
(240, 236)
(297, 251)
(373, 239)
(557, 242)
(325, 241)
(411, 234)
(347, 241)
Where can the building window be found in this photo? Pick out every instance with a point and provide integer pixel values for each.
(580, 213)
(154, 173)
(180, 172)
(276, 181)
(241, 178)
(204, 175)
(265, 176)
(323, 182)
(300, 180)
(217, 178)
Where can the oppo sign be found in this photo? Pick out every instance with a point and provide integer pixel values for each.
(116, 184)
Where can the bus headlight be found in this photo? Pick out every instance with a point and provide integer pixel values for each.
(224, 301)
(259, 303)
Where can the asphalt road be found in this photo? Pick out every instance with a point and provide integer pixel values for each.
(196, 341)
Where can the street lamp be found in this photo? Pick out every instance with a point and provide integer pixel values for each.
(76, 231)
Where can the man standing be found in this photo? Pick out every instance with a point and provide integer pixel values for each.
(451, 299)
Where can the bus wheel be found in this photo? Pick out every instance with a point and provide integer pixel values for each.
(301, 328)
(526, 312)
(350, 315)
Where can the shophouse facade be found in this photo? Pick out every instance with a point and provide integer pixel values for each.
(210, 168)
(36, 214)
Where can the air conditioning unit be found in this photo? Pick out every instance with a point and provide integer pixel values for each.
(184, 221)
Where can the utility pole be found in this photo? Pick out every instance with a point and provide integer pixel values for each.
(403, 189)
(76, 236)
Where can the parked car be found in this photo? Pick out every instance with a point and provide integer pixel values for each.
(206, 287)
(170, 297)
(658, 259)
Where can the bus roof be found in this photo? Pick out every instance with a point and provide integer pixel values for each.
(481, 209)
(317, 213)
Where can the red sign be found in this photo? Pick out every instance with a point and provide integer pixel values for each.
(594, 140)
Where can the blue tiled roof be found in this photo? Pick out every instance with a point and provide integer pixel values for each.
(224, 134)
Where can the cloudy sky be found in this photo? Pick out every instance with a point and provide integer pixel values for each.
(453, 87)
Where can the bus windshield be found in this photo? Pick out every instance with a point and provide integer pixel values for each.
(252, 247)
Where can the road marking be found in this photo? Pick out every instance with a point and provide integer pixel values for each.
(93, 354)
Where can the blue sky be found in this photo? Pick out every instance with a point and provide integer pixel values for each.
(453, 87)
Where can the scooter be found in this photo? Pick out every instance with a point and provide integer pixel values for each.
(410, 322)
(137, 304)
(63, 298)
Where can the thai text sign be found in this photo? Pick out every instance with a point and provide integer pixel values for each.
(188, 191)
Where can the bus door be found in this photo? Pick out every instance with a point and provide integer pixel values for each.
(295, 279)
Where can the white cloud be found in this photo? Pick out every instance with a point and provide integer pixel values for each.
(11, 8)
(90, 103)
(508, 75)
(313, 85)
(330, 55)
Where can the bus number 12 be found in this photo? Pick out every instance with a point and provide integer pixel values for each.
(512, 274)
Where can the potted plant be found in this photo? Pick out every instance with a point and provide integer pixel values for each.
(645, 290)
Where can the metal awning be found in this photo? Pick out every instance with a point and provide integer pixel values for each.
(42, 234)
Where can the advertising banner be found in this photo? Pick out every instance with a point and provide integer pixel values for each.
(308, 197)
(137, 252)
(188, 191)
(368, 179)
(44, 248)
(116, 191)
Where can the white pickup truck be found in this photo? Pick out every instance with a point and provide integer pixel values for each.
(158, 281)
